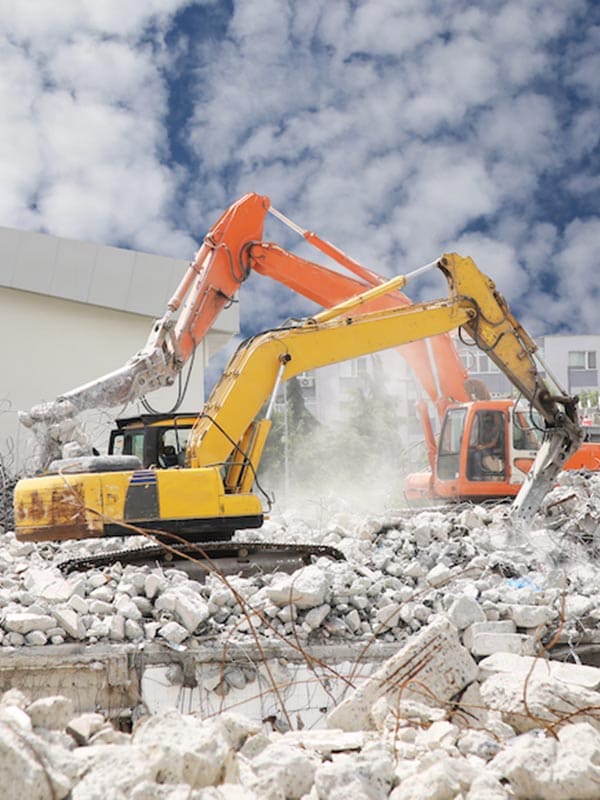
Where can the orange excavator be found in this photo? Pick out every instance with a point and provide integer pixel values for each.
(486, 447)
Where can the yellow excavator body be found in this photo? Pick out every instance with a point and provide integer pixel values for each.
(187, 502)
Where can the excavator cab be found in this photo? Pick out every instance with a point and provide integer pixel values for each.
(472, 449)
(158, 440)
(485, 450)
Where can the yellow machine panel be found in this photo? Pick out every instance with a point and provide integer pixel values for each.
(79, 506)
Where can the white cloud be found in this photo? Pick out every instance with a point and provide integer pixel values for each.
(83, 123)
(396, 130)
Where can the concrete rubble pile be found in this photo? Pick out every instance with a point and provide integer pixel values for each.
(469, 706)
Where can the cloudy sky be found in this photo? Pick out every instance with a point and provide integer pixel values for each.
(397, 129)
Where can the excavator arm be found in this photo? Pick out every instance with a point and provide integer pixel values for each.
(347, 331)
(209, 284)
(231, 250)
(495, 331)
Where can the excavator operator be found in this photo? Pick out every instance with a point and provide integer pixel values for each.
(487, 456)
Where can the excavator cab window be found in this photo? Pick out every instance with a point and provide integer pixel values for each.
(171, 446)
(486, 460)
(448, 461)
(159, 444)
(127, 444)
(528, 429)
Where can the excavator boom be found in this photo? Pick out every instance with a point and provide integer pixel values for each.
(474, 305)
(231, 250)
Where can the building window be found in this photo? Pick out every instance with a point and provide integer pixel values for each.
(478, 363)
(354, 368)
(582, 359)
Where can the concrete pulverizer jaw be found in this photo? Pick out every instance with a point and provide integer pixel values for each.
(558, 445)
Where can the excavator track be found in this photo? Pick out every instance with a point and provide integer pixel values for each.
(227, 557)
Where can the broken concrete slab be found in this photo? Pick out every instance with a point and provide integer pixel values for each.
(550, 768)
(578, 674)
(527, 703)
(491, 626)
(484, 644)
(432, 667)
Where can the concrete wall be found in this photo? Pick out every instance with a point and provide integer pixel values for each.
(49, 346)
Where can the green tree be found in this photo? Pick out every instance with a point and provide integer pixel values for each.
(363, 453)
(291, 424)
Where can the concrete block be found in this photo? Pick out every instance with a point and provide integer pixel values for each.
(101, 608)
(306, 588)
(14, 697)
(128, 609)
(24, 622)
(79, 604)
(441, 777)
(173, 632)
(51, 712)
(105, 593)
(24, 772)
(190, 750)
(191, 611)
(547, 701)
(45, 583)
(133, 630)
(388, 616)
(316, 616)
(369, 775)
(484, 644)
(352, 620)
(550, 769)
(439, 735)
(114, 771)
(490, 626)
(287, 770)
(465, 611)
(154, 585)
(438, 575)
(36, 638)
(432, 666)
(84, 726)
(577, 674)
(526, 616)
(167, 601)
(117, 628)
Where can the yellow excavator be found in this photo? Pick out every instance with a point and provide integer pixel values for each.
(211, 496)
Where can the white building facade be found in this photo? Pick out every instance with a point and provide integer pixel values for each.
(73, 311)
(571, 359)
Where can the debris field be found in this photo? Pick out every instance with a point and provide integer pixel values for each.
(485, 694)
